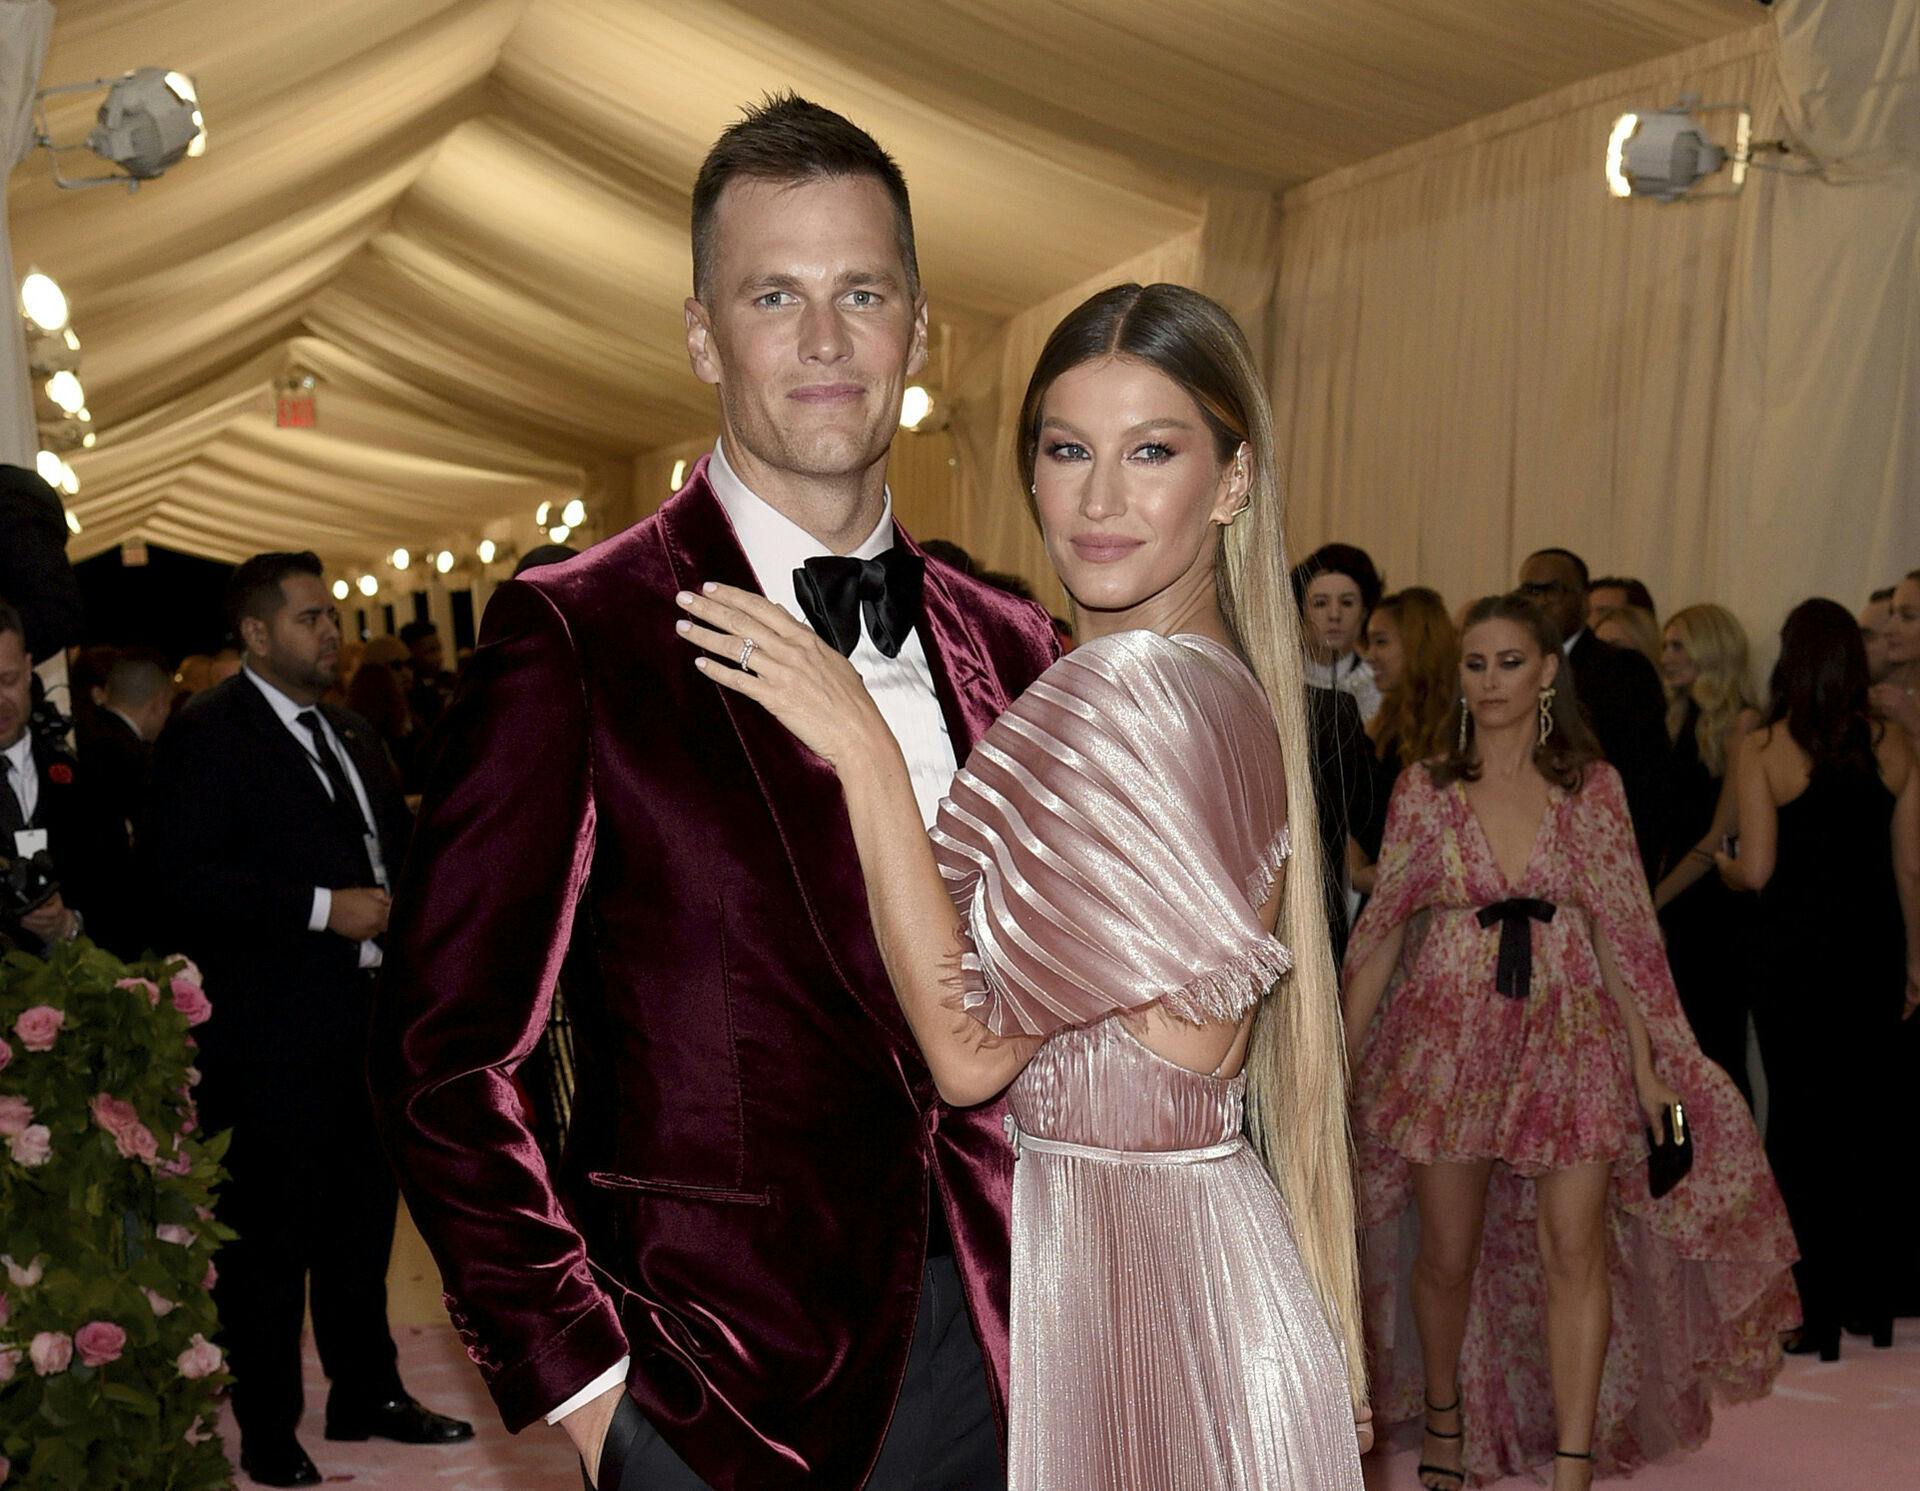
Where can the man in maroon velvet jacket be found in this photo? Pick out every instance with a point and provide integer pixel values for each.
(773, 1258)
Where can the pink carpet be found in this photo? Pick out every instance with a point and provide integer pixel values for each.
(1854, 1424)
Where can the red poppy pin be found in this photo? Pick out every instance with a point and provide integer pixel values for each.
(59, 773)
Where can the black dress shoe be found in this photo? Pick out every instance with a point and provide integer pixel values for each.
(279, 1465)
(399, 1419)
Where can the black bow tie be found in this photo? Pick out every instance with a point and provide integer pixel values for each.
(837, 591)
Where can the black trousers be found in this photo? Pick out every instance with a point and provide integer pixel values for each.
(941, 1438)
(314, 1200)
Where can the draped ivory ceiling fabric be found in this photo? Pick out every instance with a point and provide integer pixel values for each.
(468, 217)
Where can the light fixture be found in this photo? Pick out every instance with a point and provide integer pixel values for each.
(73, 522)
(486, 550)
(88, 440)
(65, 390)
(574, 513)
(50, 467)
(341, 590)
(43, 302)
(542, 513)
(151, 120)
(400, 558)
(369, 586)
(1665, 153)
(679, 476)
(558, 533)
(916, 407)
(443, 561)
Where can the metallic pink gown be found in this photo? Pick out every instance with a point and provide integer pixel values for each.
(1110, 843)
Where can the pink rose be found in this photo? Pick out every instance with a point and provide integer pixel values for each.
(180, 1164)
(131, 1137)
(6, 1309)
(173, 1232)
(197, 1432)
(191, 1000)
(188, 970)
(99, 1342)
(200, 1359)
(9, 1362)
(212, 1277)
(22, 1276)
(15, 1114)
(6, 1055)
(38, 1026)
(144, 986)
(193, 1076)
(32, 1146)
(52, 1351)
(162, 1306)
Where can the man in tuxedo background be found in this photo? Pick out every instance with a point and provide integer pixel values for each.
(771, 1257)
(272, 828)
(116, 749)
(1619, 691)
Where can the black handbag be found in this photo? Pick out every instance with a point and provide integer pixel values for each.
(1669, 1162)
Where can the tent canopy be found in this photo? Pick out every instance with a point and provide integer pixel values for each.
(468, 217)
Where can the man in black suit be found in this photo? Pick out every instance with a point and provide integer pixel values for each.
(116, 749)
(273, 828)
(46, 814)
(1617, 689)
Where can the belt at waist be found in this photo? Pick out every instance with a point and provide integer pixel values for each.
(1024, 1143)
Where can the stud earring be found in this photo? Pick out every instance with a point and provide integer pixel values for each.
(1546, 715)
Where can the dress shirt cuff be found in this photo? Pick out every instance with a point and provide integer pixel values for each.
(322, 909)
(370, 955)
(614, 1376)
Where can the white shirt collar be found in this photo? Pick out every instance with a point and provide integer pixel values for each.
(775, 545)
(287, 709)
(20, 753)
(1566, 647)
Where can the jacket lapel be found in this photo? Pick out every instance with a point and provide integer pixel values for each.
(296, 766)
(801, 790)
(971, 695)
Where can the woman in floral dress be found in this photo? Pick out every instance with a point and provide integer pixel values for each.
(1516, 1033)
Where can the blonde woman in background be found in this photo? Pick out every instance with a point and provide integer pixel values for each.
(1120, 875)
(1710, 709)
(1632, 627)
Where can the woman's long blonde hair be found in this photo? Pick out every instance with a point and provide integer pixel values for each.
(1717, 643)
(1296, 1058)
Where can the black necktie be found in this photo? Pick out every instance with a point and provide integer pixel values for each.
(345, 803)
(836, 592)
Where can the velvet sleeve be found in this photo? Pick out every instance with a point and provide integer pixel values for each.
(1113, 837)
(480, 927)
(1408, 872)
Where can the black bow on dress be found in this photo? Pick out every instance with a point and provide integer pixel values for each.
(835, 591)
(1514, 975)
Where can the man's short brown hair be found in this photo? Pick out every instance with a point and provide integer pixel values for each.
(786, 138)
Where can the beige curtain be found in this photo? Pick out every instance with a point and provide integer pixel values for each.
(25, 26)
(1478, 352)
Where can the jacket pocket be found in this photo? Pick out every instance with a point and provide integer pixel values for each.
(613, 1180)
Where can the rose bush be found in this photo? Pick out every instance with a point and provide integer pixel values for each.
(107, 1373)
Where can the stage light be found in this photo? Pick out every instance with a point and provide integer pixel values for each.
(400, 558)
(148, 123)
(542, 513)
(369, 586)
(487, 550)
(50, 467)
(558, 533)
(443, 561)
(1665, 154)
(73, 522)
(679, 476)
(43, 302)
(87, 440)
(65, 390)
(574, 513)
(341, 590)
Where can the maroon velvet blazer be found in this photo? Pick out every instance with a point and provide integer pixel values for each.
(744, 1202)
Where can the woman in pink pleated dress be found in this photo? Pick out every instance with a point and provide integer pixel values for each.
(1534, 1301)
(1115, 883)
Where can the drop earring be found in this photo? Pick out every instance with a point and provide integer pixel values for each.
(1464, 715)
(1546, 715)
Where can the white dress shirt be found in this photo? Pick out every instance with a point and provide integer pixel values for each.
(902, 687)
(23, 776)
(1350, 675)
(289, 711)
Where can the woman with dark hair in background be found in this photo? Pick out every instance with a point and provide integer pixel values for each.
(379, 697)
(1414, 652)
(1709, 929)
(1527, 1039)
(1830, 838)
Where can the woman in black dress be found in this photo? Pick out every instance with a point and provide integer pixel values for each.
(1830, 838)
(1709, 928)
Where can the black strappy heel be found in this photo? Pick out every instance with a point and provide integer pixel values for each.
(1423, 1470)
(1575, 1455)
